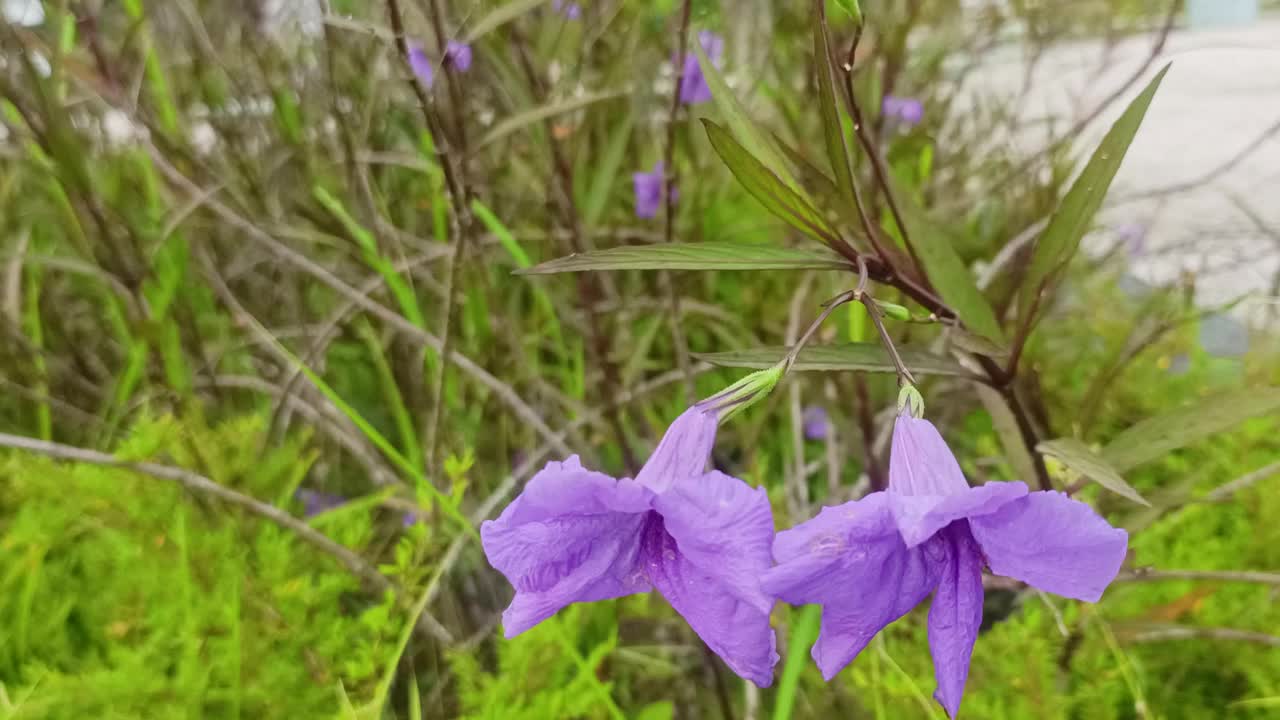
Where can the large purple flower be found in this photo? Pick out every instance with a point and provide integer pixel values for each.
(693, 87)
(871, 561)
(701, 538)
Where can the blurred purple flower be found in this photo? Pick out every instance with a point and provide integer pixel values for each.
(648, 189)
(315, 502)
(1134, 237)
(459, 54)
(701, 538)
(871, 561)
(815, 422)
(906, 112)
(694, 88)
(571, 10)
(421, 65)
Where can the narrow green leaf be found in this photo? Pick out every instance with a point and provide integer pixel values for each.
(1154, 437)
(500, 16)
(764, 185)
(608, 166)
(1073, 217)
(542, 112)
(1006, 427)
(757, 142)
(803, 633)
(864, 357)
(946, 270)
(837, 151)
(693, 256)
(851, 7)
(1079, 457)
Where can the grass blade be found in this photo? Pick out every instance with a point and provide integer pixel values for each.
(693, 256)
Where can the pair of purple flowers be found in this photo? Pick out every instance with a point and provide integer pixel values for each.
(706, 542)
(693, 91)
(458, 54)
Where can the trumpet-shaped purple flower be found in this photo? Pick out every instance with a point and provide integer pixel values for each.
(648, 189)
(907, 112)
(871, 561)
(701, 538)
(694, 88)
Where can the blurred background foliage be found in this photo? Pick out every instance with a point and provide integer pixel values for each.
(197, 198)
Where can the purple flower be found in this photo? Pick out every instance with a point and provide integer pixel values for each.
(701, 538)
(871, 561)
(906, 112)
(315, 502)
(1134, 237)
(570, 10)
(648, 188)
(421, 65)
(815, 422)
(694, 88)
(459, 54)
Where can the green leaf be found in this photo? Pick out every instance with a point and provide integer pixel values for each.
(851, 7)
(804, 631)
(1154, 437)
(837, 151)
(693, 256)
(500, 16)
(1006, 427)
(757, 142)
(864, 357)
(947, 272)
(608, 166)
(764, 185)
(1073, 217)
(542, 112)
(1080, 458)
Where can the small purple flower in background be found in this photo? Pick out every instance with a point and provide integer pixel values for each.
(571, 10)
(1134, 237)
(648, 189)
(459, 54)
(701, 538)
(869, 562)
(906, 112)
(694, 88)
(421, 65)
(315, 502)
(815, 422)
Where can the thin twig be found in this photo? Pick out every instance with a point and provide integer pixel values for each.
(1246, 576)
(1159, 633)
(1226, 491)
(202, 485)
(669, 202)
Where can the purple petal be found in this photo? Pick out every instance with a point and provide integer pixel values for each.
(955, 615)
(315, 502)
(683, 451)
(904, 110)
(707, 563)
(920, 463)
(572, 536)
(851, 560)
(927, 488)
(920, 516)
(421, 65)
(1055, 543)
(459, 53)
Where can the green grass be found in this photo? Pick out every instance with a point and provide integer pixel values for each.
(138, 319)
